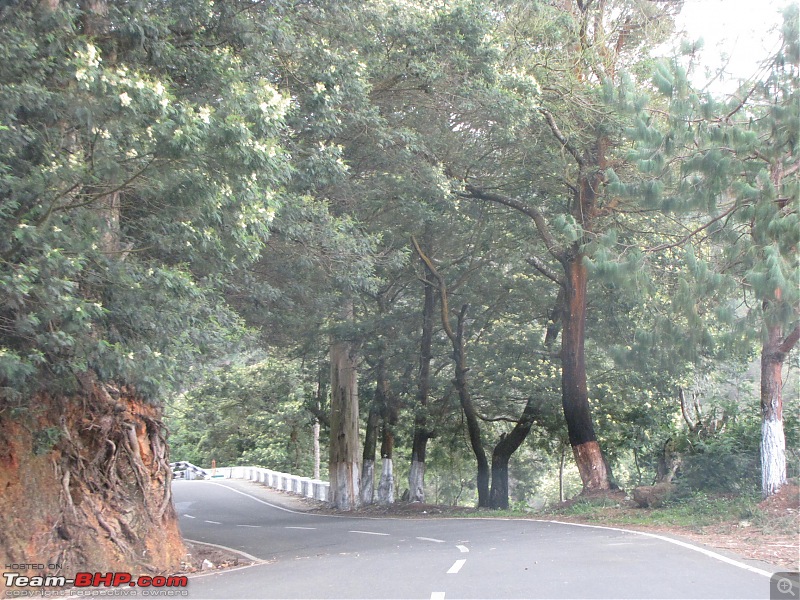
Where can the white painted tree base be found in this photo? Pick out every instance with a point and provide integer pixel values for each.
(416, 482)
(773, 456)
(368, 483)
(386, 485)
(345, 484)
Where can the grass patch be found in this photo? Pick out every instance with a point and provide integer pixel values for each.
(697, 510)
(694, 512)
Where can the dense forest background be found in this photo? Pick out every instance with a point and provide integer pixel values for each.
(496, 252)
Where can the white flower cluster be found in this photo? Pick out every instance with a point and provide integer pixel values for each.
(88, 70)
(204, 112)
(273, 105)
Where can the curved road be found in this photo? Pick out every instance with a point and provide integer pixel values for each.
(318, 556)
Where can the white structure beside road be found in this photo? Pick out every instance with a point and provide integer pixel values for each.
(302, 486)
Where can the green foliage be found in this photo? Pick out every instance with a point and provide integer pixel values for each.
(189, 178)
(253, 414)
(693, 510)
(127, 192)
(724, 463)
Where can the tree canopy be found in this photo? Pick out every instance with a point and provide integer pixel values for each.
(498, 229)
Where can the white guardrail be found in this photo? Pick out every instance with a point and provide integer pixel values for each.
(302, 486)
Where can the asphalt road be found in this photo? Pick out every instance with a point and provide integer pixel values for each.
(317, 556)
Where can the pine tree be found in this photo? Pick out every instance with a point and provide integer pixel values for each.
(731, 168)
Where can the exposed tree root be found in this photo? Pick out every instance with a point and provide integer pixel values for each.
(97, 465)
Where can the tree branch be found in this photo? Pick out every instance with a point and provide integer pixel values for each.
(448, 329)
(526, 209)
(693, 233)
(538, 264)
(497, 419)
(790, 341)
(685, 412)
(561, 138)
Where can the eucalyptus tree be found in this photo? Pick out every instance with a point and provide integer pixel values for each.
(386, 183)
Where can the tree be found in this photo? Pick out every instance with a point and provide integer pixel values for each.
(508, 444)
(130, 188)
(343, 467)
(774, 230)
(422, 432)
(569, 77)
(738, 180)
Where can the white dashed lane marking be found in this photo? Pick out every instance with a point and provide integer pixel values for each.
(456, 566)
(189, 517)
(253, 526)
(437, 596)
(462, 549)
(424, 539)
(307, 528)
(367, 532)
(214, 522)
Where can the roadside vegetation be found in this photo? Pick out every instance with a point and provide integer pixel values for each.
(492, 253)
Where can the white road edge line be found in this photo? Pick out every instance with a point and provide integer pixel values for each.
(297, 512)
(456, 566)
(424, 539)
(437, 595)
(664, 538)
(462, 548)
(367, 532)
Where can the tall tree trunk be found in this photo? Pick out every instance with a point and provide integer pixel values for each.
(343, 469)
(460, 382)
(370, 448)
(508, 444)
(386, 484)
(592, 466)
(95, 17)
(317, 453)
(389, 420)
(473, 426)
(773, 441)
(416, 475)
(318, 417)
(561, 471)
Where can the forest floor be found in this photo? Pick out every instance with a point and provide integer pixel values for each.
(765, 531)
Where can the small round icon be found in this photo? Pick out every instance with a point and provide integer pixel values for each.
(785, 587)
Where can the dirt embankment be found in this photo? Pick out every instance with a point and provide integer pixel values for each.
(84, 485)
